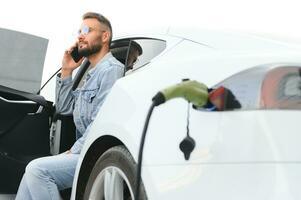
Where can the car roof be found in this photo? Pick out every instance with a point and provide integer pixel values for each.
(231, 41)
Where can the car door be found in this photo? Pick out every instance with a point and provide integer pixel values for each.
(24, 115)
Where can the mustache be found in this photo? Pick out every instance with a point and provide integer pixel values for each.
(82, 43)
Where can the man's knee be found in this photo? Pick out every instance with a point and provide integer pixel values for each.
(35, 169)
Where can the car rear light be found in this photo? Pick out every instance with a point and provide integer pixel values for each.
(217, 98)
(223, 99)
(281, 89)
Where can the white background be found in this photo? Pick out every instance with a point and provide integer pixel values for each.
(58, 19)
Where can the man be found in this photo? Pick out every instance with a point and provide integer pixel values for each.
(45, 177)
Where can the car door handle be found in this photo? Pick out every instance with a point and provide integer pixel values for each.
(17, 101)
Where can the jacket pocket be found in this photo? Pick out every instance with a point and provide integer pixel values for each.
(88, 95)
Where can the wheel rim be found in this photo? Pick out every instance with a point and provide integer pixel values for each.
(111, 184)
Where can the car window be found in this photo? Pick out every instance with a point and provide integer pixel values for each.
(148, 49)
(119, 49)
(132, 52)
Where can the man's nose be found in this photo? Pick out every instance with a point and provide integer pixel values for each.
(80, 37)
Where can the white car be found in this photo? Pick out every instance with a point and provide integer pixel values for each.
(248, 148)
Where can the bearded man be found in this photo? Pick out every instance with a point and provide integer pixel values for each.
(45, 177)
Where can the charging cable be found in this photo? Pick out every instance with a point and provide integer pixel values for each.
(193, 92)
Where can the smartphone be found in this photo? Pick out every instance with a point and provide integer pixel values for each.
(75, 55)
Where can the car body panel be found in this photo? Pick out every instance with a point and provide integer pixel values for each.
(234, 149)
(231, 41)
(272, 181)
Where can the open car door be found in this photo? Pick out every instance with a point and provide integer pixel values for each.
(24, 115)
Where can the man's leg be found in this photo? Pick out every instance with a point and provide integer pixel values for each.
(23, 192)
(45, 176)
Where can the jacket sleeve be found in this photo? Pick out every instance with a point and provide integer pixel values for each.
(63, 95)
(106, 82)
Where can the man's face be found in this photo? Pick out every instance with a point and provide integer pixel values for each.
(90, 37)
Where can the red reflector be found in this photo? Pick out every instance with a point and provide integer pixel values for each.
(217, 98)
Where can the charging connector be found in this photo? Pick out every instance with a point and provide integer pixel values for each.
(193, 92)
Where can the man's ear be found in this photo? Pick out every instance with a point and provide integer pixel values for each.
(106, 36)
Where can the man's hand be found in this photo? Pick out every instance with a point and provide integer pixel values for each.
(68, 64)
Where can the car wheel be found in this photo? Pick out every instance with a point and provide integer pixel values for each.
(113, 177)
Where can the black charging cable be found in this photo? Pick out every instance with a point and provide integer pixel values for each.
(193, 92)
(157, 100)
(138, 177)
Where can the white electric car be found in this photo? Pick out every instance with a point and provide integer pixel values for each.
(248, 148)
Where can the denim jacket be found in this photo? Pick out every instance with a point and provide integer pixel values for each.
(85, 102)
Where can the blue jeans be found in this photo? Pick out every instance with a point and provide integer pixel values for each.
(44, 177)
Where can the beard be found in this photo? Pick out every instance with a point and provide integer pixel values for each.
(90, 50)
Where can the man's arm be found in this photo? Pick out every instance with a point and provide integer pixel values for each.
(108, 79)
(63, 94)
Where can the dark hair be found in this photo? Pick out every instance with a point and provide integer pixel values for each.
(102, 19)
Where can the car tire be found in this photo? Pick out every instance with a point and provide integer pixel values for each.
(113, 176)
